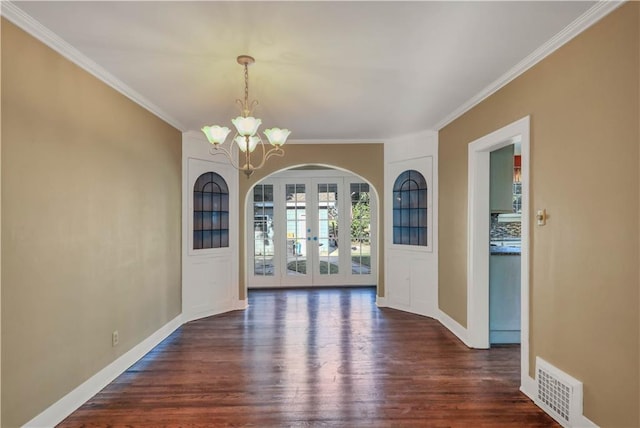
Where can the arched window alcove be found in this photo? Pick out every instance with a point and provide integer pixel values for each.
(410, 209)
(210, 212)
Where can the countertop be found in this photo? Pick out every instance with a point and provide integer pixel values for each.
(504, 251)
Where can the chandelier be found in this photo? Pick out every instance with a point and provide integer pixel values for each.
(246, 139)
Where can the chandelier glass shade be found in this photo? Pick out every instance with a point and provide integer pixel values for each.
(246, 139)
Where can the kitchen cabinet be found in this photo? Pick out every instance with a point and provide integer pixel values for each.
(504, 298)
(501, 180)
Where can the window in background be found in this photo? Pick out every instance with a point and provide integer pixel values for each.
(263, 249)
(360, 229)
(517, 184)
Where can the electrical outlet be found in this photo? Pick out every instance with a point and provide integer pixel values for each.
(114, 338)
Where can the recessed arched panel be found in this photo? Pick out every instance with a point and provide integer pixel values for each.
(410, 209)
(210, 212)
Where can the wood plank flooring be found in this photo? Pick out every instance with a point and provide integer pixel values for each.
(321, 357)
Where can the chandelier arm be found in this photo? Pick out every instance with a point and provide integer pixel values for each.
(228, 153)
(243, 107)
(252, 106)
(264, 153)
(250, 168)
(276, 151)
(246, 109)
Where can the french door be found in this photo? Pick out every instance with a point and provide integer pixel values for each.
(311, 230)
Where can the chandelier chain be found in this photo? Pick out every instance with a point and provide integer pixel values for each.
(246, 87)
(246, 139)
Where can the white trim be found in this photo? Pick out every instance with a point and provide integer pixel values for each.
(1, 7)
(381, 302)
(478, 237)
(241, 304)
(408, 137)
(29, 24)
(525, 237)
(193, 316)
(580, 24)
(586, 423)
(529, 387)
(412, 309)
(292, 173)
(55, 413)
(330, 141)
(454, 327)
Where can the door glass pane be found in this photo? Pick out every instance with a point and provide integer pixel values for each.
(328, 240)
(360, 237)
(263, 251)
(296, 229)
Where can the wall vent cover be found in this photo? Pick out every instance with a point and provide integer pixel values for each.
(559, 394)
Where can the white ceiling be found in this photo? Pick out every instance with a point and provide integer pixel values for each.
(325, 70)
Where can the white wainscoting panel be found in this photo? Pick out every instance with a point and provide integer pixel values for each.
(411, 278)
(210, 276)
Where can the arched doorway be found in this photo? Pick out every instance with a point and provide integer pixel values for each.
(311, 226)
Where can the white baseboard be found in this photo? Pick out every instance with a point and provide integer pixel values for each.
(411, 309)
(199, 315)
(586, 423)
(454, 327)
(76, 398)
(529, 387)
(381, 302)
(229, 305)
(241, 304)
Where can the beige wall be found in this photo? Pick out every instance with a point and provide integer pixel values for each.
(90, 225)
(366, 160)
(585, 137)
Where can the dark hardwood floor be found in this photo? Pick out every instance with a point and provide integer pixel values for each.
(322, 357)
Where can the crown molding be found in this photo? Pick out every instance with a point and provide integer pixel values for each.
(586, 20)
(427, 133)
(27, 23)
(20, 18)
(353, 141)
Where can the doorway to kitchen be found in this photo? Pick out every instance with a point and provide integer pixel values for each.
(479, 253)
(505, 205)
(311, 227)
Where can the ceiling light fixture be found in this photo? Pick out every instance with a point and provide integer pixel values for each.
(246, 139)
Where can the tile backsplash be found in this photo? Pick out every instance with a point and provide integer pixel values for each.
(500, 231)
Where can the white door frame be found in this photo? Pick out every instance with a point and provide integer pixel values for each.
(478, 239)
(311, 177)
